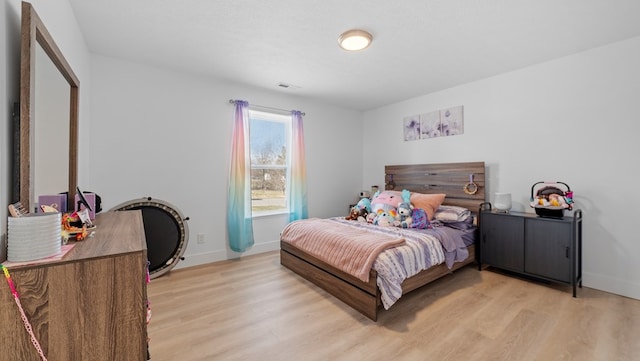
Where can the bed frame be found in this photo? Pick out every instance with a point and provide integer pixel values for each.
(456, 180)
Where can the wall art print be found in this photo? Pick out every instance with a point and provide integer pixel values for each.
(439, 123)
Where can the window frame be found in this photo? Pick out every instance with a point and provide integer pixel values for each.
(287, 121)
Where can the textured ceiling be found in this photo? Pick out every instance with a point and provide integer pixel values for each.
(419, 46)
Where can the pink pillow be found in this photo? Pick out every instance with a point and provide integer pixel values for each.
(428, 202)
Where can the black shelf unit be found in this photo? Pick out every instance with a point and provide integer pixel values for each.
(545, 248)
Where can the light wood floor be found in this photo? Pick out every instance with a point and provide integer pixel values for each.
(255, 309)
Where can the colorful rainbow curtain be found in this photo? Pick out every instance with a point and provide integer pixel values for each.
(298, 180)
(239, 221)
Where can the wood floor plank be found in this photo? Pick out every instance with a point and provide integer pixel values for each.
(255, 309)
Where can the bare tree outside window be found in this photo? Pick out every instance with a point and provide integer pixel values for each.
(269, 139)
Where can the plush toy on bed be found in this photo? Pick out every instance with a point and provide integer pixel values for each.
(411, 217)
(384, 201)
(360, 211)
(354, 213)
(364, 204)
(419, 219)
(386, 219)
(405, 209)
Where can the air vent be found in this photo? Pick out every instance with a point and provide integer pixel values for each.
(287, 86)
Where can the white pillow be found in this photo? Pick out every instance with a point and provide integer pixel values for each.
(452, 214)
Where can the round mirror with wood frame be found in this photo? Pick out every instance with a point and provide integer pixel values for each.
(35, 34)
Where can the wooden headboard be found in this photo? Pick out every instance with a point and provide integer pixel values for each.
(448, 178)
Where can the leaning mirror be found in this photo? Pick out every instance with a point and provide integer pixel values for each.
(48, 115)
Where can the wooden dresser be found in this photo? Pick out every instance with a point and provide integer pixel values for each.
(91, 305)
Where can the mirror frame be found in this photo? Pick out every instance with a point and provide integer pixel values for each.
(33, 32)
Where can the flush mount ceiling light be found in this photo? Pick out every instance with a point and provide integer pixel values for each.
(354, 40)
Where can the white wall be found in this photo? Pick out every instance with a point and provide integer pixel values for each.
(158, 133)
(60, 21)
(167, 135)
(573, 120)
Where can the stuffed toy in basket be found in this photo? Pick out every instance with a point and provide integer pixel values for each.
(551, 201)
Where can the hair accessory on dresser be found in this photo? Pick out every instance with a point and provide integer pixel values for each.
(25, 320)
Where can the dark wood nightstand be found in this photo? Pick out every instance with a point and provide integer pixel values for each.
(546, 248)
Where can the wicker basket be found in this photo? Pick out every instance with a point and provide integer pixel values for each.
(542, 199)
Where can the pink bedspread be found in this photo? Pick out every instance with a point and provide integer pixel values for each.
(347, 248)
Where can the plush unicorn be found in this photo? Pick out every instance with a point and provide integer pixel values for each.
(385, 219)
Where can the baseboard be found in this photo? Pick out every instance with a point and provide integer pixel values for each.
(191, 260)
(611, 285)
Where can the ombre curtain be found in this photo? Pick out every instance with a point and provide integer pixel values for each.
(298, 180)
(239, 221)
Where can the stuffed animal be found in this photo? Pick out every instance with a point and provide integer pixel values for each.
(395, 215)
(419, 219)
(359, 211)
(354, 213)
(385, 201)
(557, 200)
(365, 204)
(405, 209)
(384, 219)
(551, 200)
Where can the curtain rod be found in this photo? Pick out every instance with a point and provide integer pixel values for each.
(233, 101)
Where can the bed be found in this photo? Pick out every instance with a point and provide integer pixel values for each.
(464, 186)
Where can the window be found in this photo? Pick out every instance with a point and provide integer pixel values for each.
(270, 144)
